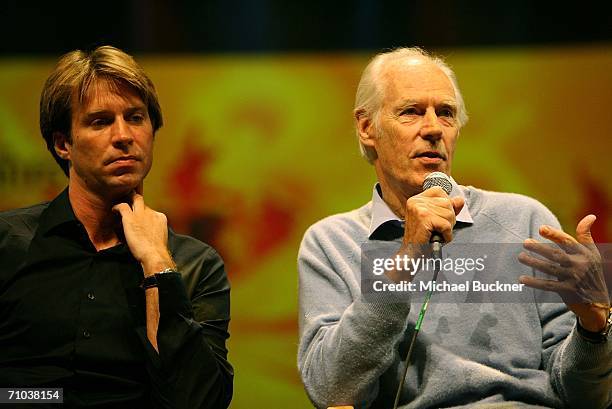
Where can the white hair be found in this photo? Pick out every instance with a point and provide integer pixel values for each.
(370, 94)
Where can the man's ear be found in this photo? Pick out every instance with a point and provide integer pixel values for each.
(62, 146)
(365, 128)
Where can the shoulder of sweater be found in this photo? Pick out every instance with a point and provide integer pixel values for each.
(347, 222)
(508, 210)
(493, 202)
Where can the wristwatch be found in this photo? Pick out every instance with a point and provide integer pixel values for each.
(151, 281)
(597, 337)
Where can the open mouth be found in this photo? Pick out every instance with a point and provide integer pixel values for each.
(431, 155)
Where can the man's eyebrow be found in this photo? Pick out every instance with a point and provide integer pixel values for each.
(408, 102)
(136, 108)
(403, 104)
(130, 109)
(95, 114)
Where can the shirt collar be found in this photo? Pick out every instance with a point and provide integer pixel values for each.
(383, 216)
(59, 212)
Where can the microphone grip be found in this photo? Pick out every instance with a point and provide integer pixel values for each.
(436, 240)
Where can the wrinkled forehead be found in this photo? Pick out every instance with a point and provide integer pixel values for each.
(415, 78)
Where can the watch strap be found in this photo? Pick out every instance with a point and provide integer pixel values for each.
(151, 281)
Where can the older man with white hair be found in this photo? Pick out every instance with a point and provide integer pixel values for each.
(409, 111)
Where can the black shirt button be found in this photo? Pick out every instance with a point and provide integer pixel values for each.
(91, 296)
(86, 334)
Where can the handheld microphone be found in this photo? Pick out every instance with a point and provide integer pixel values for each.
(444, 181)
(431, 180)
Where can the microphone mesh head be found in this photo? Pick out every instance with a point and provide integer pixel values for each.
(438, 179)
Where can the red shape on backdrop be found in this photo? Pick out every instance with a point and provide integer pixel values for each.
(218, 215)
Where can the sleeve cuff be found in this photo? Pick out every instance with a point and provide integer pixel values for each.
(586, 355)
(173, 296)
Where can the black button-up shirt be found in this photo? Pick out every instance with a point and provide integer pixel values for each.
(74, 317)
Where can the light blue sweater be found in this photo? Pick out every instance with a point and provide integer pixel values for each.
(466, 355)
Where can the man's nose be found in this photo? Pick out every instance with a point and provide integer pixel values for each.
(430, 128)
(121, 133)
